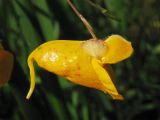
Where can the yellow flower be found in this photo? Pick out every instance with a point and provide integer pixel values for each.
(82, 62)
(6, 64)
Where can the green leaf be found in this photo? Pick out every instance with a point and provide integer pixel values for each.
(56, 106)
(85, 112)
(49, 26)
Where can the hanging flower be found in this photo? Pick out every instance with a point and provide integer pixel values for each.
(82, 62)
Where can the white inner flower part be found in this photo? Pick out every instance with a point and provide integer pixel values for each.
(95, 48)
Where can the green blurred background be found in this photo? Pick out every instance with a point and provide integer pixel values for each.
(25, 24)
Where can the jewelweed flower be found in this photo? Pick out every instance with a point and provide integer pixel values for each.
(6, 64)
(82, 62)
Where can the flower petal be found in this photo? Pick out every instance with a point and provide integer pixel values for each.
(105, 77)
(118, 49)
(6, 64)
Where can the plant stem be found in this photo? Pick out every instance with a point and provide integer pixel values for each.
(85, 22)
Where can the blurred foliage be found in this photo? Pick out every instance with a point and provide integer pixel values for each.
(25, 24)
